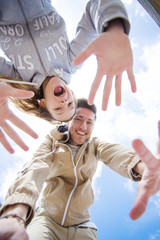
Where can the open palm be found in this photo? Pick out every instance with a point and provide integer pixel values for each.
(114, 56)
(150, 182)
(6, 114)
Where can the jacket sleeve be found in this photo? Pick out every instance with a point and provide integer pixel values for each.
(119, 158)
(28, 184)
(7, 69)
(96, 16)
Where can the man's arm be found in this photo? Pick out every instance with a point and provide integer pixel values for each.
(23, 193)
(139, 168)
(12, 222)
(18, 209)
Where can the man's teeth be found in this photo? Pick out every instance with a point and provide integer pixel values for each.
(79, 132)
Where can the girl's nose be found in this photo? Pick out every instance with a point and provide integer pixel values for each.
(64, 101)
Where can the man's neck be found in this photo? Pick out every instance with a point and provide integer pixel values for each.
(73, 143)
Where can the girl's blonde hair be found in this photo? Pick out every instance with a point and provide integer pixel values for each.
(30, 105)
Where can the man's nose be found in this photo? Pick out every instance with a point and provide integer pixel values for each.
(84, 126)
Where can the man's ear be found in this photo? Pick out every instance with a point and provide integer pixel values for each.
(42, 103)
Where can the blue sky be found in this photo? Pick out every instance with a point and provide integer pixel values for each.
(136, 117)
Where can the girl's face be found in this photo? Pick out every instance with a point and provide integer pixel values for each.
(58, 99)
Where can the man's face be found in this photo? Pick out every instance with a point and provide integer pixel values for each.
(81, 126)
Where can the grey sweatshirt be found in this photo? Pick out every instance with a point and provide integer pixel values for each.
(33, 36)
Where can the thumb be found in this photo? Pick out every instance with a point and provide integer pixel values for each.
(84, 55)
(22, 94)
(140, 202)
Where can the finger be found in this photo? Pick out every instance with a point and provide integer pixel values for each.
(118, 89)
(22, 125)
(5, 143)
(14, 136)
(19, 93)
(131, 78)
(106, 92)
(84, 54)
(145, 155)
(94, 87)
(140, 203)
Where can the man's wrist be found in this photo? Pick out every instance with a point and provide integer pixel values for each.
(11, 215)
(20, 210)
(139, 168)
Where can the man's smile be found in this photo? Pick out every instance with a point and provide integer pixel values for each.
(80, 133)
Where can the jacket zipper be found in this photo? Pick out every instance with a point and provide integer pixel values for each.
(75, 185)
(34, 43)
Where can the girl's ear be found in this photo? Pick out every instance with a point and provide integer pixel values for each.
(42, 103)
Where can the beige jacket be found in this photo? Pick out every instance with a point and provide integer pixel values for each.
(67, 193)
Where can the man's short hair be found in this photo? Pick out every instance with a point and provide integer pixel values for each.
(83, 103)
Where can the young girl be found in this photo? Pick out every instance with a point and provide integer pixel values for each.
(53, 100)
(33, 36)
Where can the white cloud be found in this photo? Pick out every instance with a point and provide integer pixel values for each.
(129, 2)
(130, 186)
(148, 80)
(155, 236)
(140, 11)
(97, 175)
(8, 176)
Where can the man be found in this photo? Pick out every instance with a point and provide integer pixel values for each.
(66, 162)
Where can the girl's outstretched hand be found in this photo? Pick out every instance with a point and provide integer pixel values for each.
(7, 91)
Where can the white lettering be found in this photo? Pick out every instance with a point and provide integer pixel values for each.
(55, 45)
(19, 30)
(44, 19)
(6, 44)
(3, 29)
(13, 30)
(51, 18)
(36, 25)
(30, 64)
(43, 34)
(12, 59)
(42, 22)
(63, 45)
(48, 55)
(20, 62)
(52, 51)
(21, 66)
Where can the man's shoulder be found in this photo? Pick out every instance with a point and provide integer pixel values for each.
(60, 133)
(94, 140)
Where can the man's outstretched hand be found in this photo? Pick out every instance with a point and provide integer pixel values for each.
(6, 114)
(150, 183)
